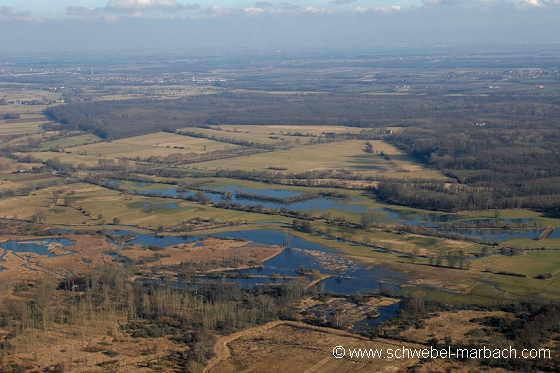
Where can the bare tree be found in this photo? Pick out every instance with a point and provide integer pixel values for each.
(370, 219)
(39, 217)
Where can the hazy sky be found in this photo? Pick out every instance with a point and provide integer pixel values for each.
(27, 25)
(120, 8)
(59, 8)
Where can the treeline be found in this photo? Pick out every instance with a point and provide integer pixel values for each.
(240, 194)
(457, 197)
(175, 159)
(365, 134)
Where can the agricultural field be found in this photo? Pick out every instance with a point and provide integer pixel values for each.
(287, 130)
(7, 165)
(340, 156)
(27, 180)
(235, 134)
(9, 127)
(27, 105)
(70, 141)
(160, 92)
(155, 145)
(64, 158)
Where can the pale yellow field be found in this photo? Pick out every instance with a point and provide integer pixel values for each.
(22, 93)
(31, 116)
(7, 165)
(157, 144)
(10, 127)
(343, 155)
(246, 134)
(26, 180)
(72, 159)
(284, 129)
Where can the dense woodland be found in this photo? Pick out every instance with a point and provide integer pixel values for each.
(117, 119)
(508, 158)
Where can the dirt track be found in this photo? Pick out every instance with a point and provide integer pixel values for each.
(222, 350)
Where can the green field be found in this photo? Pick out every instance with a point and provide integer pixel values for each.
(70, 141)
(142, 211)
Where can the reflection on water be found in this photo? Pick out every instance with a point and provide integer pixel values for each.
(158, 205)
(413, 218)
(2, 254)
(385, 314)
(445, 223)
(278, 193)
(491, 235)
(349, 277)
(38, 246)
(318, 203)
(442, 222)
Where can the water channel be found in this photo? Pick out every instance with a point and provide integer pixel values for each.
(318, 203)
(442, 222)
(348, 277)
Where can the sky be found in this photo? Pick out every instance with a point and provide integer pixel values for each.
(156, 8)
(60, 8)
(269, 25)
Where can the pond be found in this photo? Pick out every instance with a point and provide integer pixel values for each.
(491, 235)
(440, 221)
(414, 218)
(2, 254)
(38, 246)
(555, 233)
(444, 223)
(158, 205)
(278, 193)
(385, 314)
(318, 203)
(348, 277)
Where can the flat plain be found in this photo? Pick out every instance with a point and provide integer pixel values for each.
(111, 304)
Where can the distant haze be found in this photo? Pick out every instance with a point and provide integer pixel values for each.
(260, 29)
